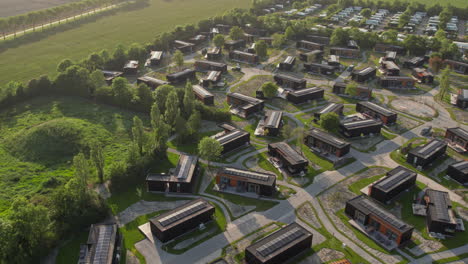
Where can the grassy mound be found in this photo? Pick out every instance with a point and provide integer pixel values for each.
(55, 141)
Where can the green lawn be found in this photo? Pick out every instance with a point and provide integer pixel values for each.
(70, 251)
(191, 147)
(41, 57)
(356, 187)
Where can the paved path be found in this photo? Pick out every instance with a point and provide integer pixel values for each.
(441, 255)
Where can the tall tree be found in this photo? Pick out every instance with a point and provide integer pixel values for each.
(64, 64)
(160, 96)
(178, 58)
(269, 89)
(97, 79)
(329, 121)
(261, 48)
(444, 83)
(189, 99)
(289, 33)
(138, 133)
(155, 115)
(144, 97)
(121, 91)
(278, 40)
(218, 40)
(236, 33)
(209, 149)
(172, 108)
(97, 158)
(81, 165)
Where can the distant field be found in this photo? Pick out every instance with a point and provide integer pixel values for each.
(16, 7)
(31, 60)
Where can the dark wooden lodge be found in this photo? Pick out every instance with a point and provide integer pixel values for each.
(363, 75)
(251, 48)
(268, 40)
(390, 56)
(462, 98)
(289, 81)
(246, 181)
(211, 78)
(307, 45)
(426, 154)
(330, 108)
(326, 143)
(183, 46)
(244, 105)
(156, 57)
(403, 82)
(319, 68)
(457, 137)
(376, 111)
(396, 181)
(414, 62)
(198, 39)
(423, 75)
(205, 65)
(287, 64)
(311, 56)
(383, 48)
(334, 61)
(352, 44)
(305, 95)
(459, 172)
(203, 95)
(358, 128)
(390, 68)
(182, 219)
(363, 92)
(234, 44)
(109, 76)
(345, 52)
(232, 138)
(280, 246)
(182, 76)
(272, 122)
(372, 216)
(214, 53)
(440, 217)
(292, 161)
(151, 82)
(241, 56)
(131, 67)
(181, 180)
(101, 246)
(318, 39)
(457, 66)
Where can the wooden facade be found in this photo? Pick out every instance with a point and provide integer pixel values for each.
(325, 143)
(261, 183)
(425, 155)
(376, 111)
(289, 81)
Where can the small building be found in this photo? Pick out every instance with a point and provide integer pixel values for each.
(289, 81)
(330, 108)
(383, 48)
(397, 82)
(214, 53)
(326, 143)
(211, 78)
(131, 67)
(311, 56)
(457, 137)
(459, 172)
(457, 66)
(376, 111)
(241, 56)
(287, 64)
(280, 246)
(183, 46)
(234, 44)
(390, 68)
(334, 61)
(231, 138)
(305, 95)
(151, 82)
(352, 44)
(357, 128)
(414, 62)
(364, 92)
(203, 95)
(345, 52)
(198, 39)
(204, 65)
(246, 181)
(292, 161)
(156, 57)
(363, 75)
(109, 76)
(462, 98)
(423, 75)
(181, 220)
(182, 76)
(424, 155)
(318, 39)
(271, 123)
(390, 56)
(180, 180)
(440, 217)
(396, 181)
(251, 48)
(101, 245)
(371, 216)
(319, 68)
(268, 40)
(307, 45)
(244, 105)
(249, 37)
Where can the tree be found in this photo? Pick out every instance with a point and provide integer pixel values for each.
(138, 133)
(236, 33)
(3, 27)
(404, 19)
(64, 64)
(121, 91)
(81, 172)
(119, 57)
(330, 121)
(416, 45)
(366, 12)
(261, 48)
(351, 89)
(278, 40)
(339, 37)
(74, 81)
(194, 122)
(444, 83)
(144, 97)
(155, 115)
(97, 158)
(289, 33)
(209, 149)
(269, 89)
(436, 62)
(97, 79)
(172, 108)
(218, 40)
(189, 99)
(160, 137)
(93, 62)
(178, 58)
(286, 131)
(160, 96)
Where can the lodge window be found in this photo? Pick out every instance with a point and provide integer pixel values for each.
(360, 217)
(391, 235)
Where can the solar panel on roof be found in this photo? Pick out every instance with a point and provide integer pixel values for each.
(360, 123)
(428, 148)
(103, 244)
(328, 108)
(280, 241)
(248, 174)
(392, 180)
(388, 217)
(273, 118)
(440, 207)
(180, 214)
(229, 136)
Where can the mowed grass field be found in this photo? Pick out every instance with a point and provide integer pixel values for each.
(16, 7)
(142, 25)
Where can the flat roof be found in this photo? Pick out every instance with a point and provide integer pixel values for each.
(289, 60)
(396, 78)
(369, 207)
(320, 65)
(310, 42)
(428, 149)
(214, 50)
(390, 65)
(331, 107)
(227, 126)
(306, 91)
(361, 123)
(183, 43)
(230, 136)
(250, 176)
(439, 206)
(460, 132)
(327, 138)
(461, 166)
(273, 118)
(415, 60)
(289, 78)
(213, 75)
(377, 108)
(131, 64)
(394, 178)
(183, 172)
(288, 153)
(156, 55)
(344, 49)
(181, 214)
(150, 79)
(277, 242)
(246, 98)
(457, 62)
(212, 63)
(201, 91)
(99, 248)
(243, 53)
(365, 71)
(391, 54)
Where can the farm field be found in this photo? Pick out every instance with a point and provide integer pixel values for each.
(142, 25)
(16, 7)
